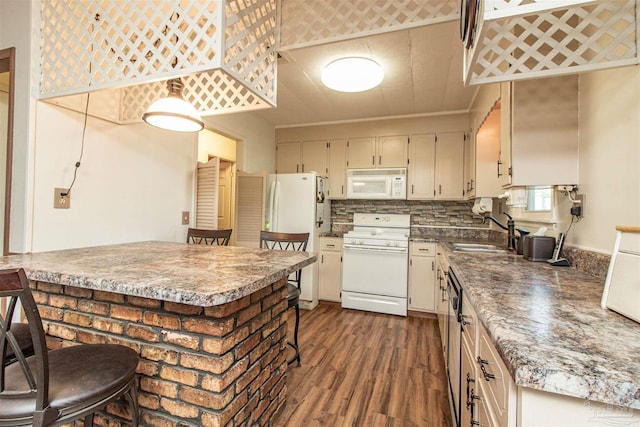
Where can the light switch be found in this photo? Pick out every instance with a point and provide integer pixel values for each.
(60, 201)
(185, 218)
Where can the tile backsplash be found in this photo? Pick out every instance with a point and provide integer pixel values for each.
(424, 213)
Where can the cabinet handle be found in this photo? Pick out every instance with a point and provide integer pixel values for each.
(439, 188)
(472, 186)
(433, 266)
(499, 164)
(411, 188)
(297, 168)
(487, 376)
(331, 245)
(321, 259)
(373, 160)
(464, 321)
(469, 391)
(379, 160)
(303, 167)
(342, 190)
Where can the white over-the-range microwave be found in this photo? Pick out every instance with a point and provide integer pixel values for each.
(383, 183)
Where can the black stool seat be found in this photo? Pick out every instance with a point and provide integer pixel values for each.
(293, 297)
(23, 336)
(74, 382)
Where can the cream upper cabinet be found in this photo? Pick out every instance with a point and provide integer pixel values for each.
(315, 156)
(298, 157)
(381, 152)
(288, 157)
(338, 169)
(392, 151)
(470, 167)
(449, 165)
(361, 153)
(422, 158)
(487, 151)
(542, 123)
(503, 167)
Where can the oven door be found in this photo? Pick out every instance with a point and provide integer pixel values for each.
(375, 270)
(454, 348)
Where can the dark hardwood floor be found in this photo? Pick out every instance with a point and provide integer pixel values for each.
(366, 369)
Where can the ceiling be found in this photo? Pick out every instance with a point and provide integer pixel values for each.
(423, 74)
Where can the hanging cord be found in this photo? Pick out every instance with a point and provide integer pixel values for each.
(84, 130)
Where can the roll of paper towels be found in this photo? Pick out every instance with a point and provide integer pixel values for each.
(482, 205)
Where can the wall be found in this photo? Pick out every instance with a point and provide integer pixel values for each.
(256, 139)
(213, 144)
(133, 183)
(609, 160)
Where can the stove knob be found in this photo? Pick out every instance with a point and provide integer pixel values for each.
(361, 242)
(397, 244)
(388, 243)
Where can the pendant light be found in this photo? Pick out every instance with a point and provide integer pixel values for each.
(173, 112)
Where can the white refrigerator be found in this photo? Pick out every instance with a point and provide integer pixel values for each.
(297, 203)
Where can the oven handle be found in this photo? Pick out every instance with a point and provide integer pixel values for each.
(374, 249)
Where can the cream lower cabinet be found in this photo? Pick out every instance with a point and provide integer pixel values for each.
(422, 276)
(330, 269)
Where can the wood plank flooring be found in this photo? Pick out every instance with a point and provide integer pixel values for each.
(366, 369)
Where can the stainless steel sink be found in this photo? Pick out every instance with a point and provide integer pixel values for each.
(477, 247)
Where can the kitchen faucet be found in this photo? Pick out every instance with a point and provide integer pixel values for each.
(512, 239)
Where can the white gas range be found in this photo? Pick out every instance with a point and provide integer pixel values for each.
(375, 263)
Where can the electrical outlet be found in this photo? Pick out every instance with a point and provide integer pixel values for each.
(60, 201)
(580, 198)
(566, 188)
(185, 218)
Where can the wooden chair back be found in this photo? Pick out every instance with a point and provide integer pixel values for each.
(201, 236)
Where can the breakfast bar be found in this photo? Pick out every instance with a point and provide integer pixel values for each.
(209, 323)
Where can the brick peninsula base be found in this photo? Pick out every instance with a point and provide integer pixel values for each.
(200, 366)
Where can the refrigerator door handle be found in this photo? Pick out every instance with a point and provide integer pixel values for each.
(276, 207)
(272, 193)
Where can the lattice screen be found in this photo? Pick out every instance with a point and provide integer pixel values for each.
(594, 35)
(224, 48)
(307, 23)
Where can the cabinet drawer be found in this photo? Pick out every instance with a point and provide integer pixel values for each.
(331, 244)
(422, 249)
(496, 381)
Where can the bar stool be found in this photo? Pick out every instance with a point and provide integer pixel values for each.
(289, 242)
(201, 236)
(22, 335)
(59, 386)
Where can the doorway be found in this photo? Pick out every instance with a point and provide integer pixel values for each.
(7, 91)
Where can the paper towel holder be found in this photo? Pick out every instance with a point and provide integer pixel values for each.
(482, 205)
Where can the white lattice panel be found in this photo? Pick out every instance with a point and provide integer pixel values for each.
(225, 51)
(306, 23)
(595, 35)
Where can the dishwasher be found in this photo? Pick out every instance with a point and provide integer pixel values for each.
(454, 337)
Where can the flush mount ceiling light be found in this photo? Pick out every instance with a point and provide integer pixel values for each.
(173, 112)
(352, 74)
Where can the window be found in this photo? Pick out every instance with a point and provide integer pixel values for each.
(539, 199)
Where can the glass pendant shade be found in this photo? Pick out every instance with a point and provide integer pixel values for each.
(352, 74)
(173, 112)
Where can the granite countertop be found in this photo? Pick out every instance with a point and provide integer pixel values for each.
(547, 324)
(190, 274)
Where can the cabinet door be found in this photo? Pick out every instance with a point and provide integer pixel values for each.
(503, 168)
(470, 166)
(330, 276)
(449, 166)
(361, 153)
(288, 157)
(468, 387)
(314, 157)
(422, 290)
(422, 157)
(392, 151)
(487, 152)
(338, 169)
